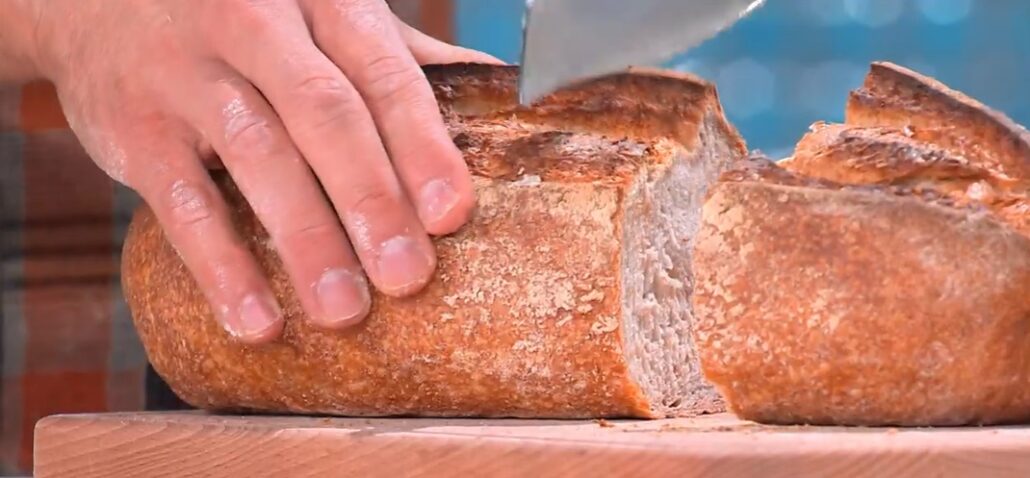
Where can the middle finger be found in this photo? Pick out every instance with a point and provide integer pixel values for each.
(362, 37)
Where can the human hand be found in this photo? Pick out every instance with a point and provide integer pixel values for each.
(287, 95)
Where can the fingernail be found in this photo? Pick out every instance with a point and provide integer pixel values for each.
(403, 266)
(257, 316)
(438, 198)
(343, 297)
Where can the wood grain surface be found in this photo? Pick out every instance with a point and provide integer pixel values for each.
(184, 444)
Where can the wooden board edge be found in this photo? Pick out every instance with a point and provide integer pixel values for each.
(89, 447)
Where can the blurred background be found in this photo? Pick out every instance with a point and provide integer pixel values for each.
(793, 61)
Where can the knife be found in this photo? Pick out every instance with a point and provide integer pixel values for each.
(566, 41)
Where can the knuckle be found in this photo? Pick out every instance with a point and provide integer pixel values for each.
(326, 100)
(322, 92)
(188, 204)
(244, 130)
(372, 200)
(302, 236)
(247, 135)
(391, 78)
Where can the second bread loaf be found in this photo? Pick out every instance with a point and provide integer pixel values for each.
(879, 277)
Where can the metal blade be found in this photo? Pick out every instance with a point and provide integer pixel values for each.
(565, 41)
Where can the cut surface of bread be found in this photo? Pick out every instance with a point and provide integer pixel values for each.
(567, 295)
(881, 275)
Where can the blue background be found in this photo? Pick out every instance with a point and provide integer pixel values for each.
(793, 61)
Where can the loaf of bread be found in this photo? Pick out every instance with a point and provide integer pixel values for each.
(567, 295)
(880, 276)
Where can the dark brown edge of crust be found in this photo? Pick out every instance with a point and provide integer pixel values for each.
(881, 72)
(765, 171)
(451, 73)
(845, 136)
(486, 74)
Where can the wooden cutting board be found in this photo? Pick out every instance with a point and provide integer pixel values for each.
(183, 444)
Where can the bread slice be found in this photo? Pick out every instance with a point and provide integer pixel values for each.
(880, 276)
(567, 295)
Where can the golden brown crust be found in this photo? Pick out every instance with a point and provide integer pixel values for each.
(877, 155)
(934, 113)
(640, 103)
(786, 173)
(523, 317)
(893, 158)
(599, 131)
(879, 276)
(823, 306)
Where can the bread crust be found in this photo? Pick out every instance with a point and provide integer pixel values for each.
(827, 306)
(896, 160)
(881, 275)
(523, 317)
(932, 112)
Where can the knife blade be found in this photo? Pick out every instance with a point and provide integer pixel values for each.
(565, 41)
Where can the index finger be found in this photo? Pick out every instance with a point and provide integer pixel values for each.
(362, 38)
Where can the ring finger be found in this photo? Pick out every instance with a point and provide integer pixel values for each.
(362, 38)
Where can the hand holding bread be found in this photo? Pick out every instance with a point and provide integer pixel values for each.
(318, 111)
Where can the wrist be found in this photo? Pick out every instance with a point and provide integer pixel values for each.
(19, 52)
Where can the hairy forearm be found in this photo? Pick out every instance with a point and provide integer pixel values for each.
(17, 41)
